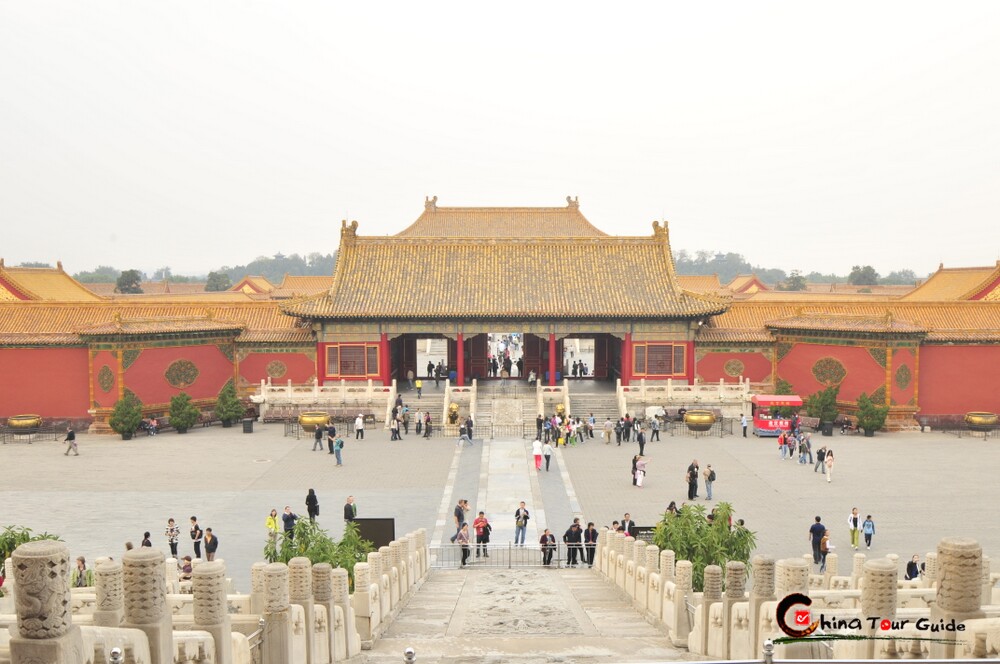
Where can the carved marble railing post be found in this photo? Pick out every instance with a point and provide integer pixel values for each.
(45, 632)
(959, 590)
(211, 610)
(381, 573)
(931, 569)
(146, 602)
(652, 558)
(366, 604)
(736, 578)
(668, 560)
(761, 591)
(857, 568)
(322, 588)
(172, 576)
(300, 593)
(601, 552)
(712, 594)
(396, 556)
(422, 553)
(793, 577)
(342, 598)
(406, 579)
(681, 627)
(387, 569)
(277, 646)
(894, 559)
(987, 597)
(109, 585)
(878, 600)
(257, 587)
(832, 568)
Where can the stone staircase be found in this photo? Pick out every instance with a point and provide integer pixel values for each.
(602, 405)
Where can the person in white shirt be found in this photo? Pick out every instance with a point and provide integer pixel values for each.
(547, 453)
(359, 427)
(536, 451)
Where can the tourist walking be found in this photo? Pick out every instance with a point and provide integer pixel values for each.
(350, 510)
(211, 544)
(312, 505)
(609, 428)
(338, 448)
(590, 543)
(825, 547)
(709, 480)
(547, 453)
(521, 517)
(692, 480)
(816, 532)
(271, 523)
(430, 368)
(654, 429)
(318, 437)
(591, 425)
(394, 429)
(288, 519)
(640, 470)
(536, 451)
(427, 424)
(547, 542)
(409, 377)
(172, 533)
(462, 537)
(331, 437)
(828, 462)
(359, 427)
(640, 437)
(483, 529)
(197, 534)
(743, 423)
(854, 527)
(459, 514)
(420, 388)
(868, 529)
(419, 419)
(70, 441)
(635, 459)
(619, 429)
(820, 459)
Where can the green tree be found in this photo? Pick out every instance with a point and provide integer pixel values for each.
(863, 276)
(218, 281)
(823, 404)
(312, 542)
(129, 281)
(691, 536)
(794, 282)
(871, 418)
(229, 407)
(183, 413)
(12, 537)
(102, 274)
(782, 387)
(900, 278)
(127, 414)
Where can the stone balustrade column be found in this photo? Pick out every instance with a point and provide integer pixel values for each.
(668, 559)
(9, 583)
(172, 575)
(878, 600)
(300, 593)
(857, 568)
(712, 594)
(146, 602)
(109, 585)
(422, 548)
(959, 590)
(736, 579)
(45, 632)
(387, 568)
(399, 562)
(930, 569)
(832, 568)
(381, 575)
(322, 589)
(342, 598)
(406, 560)
(761, 591)
(792, 577)
(894, 559)
(366, 604)
(211, 608)
(652, 558)
(683, 578)
(256, 587)
(987, 597)
(277, 638)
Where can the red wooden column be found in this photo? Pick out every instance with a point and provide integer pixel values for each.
(460, 359)
(627, 359)
(552, 359)
(689, 369)
(384, 361)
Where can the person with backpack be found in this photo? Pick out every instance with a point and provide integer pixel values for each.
(338, 447)
(868, 530)
(709, 479)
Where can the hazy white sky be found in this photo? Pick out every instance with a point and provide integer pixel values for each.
(803, 135)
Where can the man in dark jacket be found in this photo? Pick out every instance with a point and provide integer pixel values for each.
(350, 510)
(573, 539)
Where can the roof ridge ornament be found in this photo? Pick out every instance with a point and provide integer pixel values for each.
(430, 204)
(661, 232)
(348, 233)
(573, 202)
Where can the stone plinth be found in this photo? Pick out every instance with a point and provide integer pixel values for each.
(146, 602)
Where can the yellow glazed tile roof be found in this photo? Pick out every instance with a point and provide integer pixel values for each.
(251, 284)
(301, 286)
(954, 284)
(701, 283)
(501, 222)
(845, 322)
(38, 283)
(746, 283)
(556, 278)
(137, 326)
(151, 288)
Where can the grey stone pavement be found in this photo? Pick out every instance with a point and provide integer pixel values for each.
(919, 487)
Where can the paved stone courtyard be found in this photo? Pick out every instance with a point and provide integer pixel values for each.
(919, 487)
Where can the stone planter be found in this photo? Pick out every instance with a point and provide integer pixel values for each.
(127, 435)
(699, 420)
(978, 421)
(869, 433)
(182, 430)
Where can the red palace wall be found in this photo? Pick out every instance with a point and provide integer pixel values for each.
(146, 375)
(296, 367)
(863, 373)
(959, 379)
(51, 382)
(904, 376)
(712, 367)
(107, 359)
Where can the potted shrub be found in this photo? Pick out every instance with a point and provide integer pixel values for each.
(228, 407)
(183, 413)
(823, 404)
(871, 418)
(126, 416)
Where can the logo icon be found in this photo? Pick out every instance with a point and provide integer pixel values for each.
(801, 618)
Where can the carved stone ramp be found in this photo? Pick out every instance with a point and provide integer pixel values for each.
(521, 615)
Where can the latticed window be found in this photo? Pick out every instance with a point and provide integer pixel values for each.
(332, 360)
(352, 360)
(658, 359)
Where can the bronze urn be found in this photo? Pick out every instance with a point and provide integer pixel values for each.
(699, 420)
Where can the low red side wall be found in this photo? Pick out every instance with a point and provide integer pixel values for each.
(146, 375)
(712, 367)
(959, 379)
(51, 382)
(105, 359)
(296, 367)
(863, 373)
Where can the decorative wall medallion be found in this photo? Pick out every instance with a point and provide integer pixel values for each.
(276, 369)
(829, 371)
(734, 368)
(106, 378)
(181, 374)
(903, 377)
